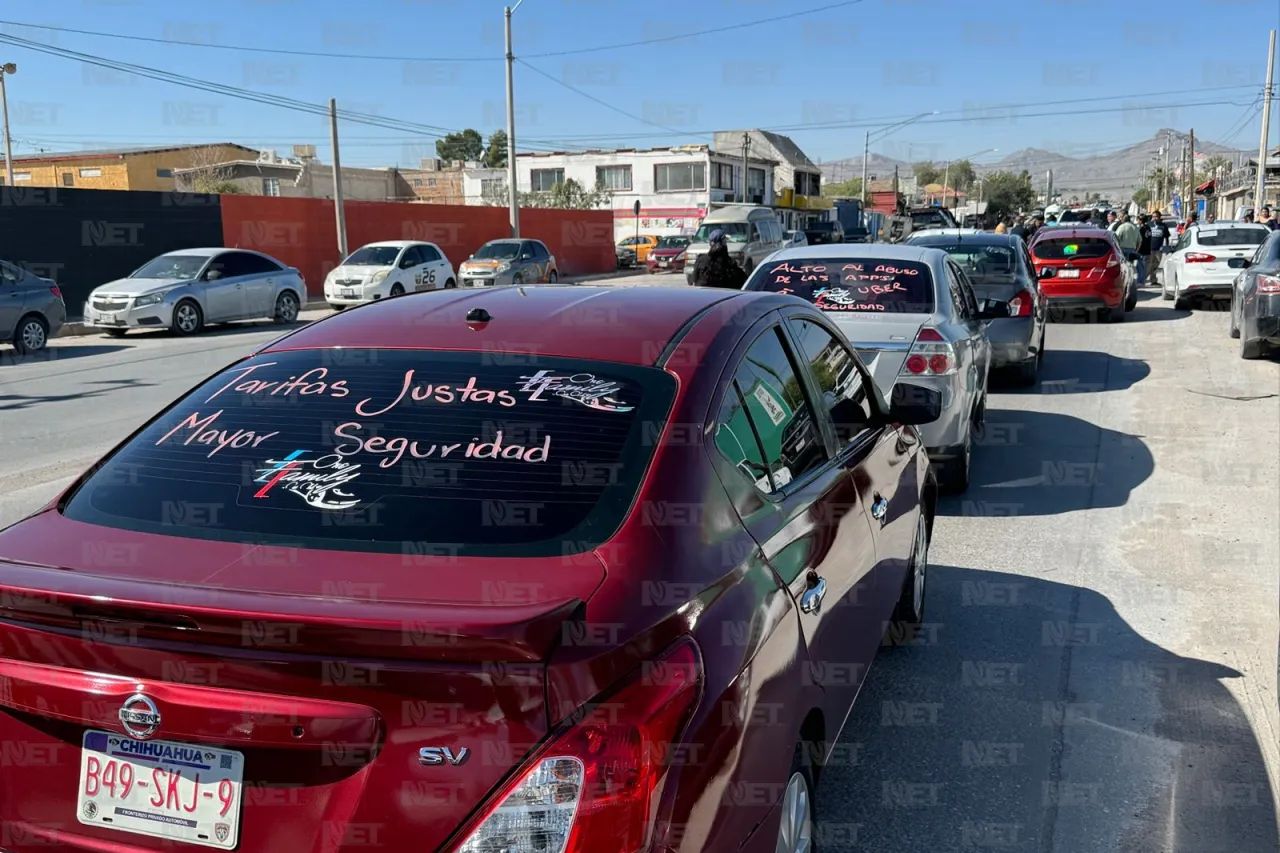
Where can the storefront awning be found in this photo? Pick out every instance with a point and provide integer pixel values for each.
(1206, 188)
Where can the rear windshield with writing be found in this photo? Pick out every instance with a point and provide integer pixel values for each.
(1232, 237)
(1069, 248)
(842, 285)
(391, 451)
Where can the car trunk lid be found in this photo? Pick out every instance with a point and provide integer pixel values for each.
(325, 689)
(882, 342)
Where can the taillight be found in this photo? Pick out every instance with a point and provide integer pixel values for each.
(930, 355)
(1268, 284)
(1113, 261)
(56, 291)
(596, 782)
(1020, 305)
(1198, 258)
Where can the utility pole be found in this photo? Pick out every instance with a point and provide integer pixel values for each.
(338, 213)
(513, 200)
(746, 145)
(12, 68)
(1191, 172)
(866, 152)
(1048, 188)
(1164, 178)
(946, 179)
(1261, 188)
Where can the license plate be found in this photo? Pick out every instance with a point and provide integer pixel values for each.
(664, 263)
(162, 789)
(1068, 273)
(348, 293)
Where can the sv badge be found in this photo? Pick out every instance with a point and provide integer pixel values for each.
(434, 756)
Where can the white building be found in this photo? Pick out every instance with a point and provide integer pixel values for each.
(676, 186)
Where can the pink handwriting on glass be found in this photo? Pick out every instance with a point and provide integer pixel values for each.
(203, 432)
(881, 289)
(398, 447)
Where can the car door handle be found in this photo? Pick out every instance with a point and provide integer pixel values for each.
(880, 508)
(811, 601)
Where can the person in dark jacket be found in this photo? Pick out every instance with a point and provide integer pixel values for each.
(1144, 246)
(716, 268)
(1158, 237)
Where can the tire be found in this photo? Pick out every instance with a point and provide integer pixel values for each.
(397, 290)
(188, 319)
(909, 611)
(1132, 302)
(1250, 350)
(115, 333)
(1181, 304)
(553, 277)
(953, 476)
(796, 834)
(450, 284)
(336, 307)
(517, 279)
(1232, 329)
(31, 334)
(287, 308)
(1025, 374)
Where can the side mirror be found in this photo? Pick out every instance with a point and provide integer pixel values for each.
(992, 309)
(914, 405)
(1239, 263)
(526, 257)
(1047, 272)
(212, 275)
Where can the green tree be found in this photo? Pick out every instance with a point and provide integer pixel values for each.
(1008, 193)
(851, 188)
(464, 145)
(961, 175)
(1142, 196)
(567, 195)
(927, 173)
(495, 155)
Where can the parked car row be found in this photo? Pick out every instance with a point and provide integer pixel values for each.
(634, 554)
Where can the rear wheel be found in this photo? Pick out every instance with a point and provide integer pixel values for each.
(795, 829)
(1132, 302)
(1115, 315)
(1181, 303)
(114, 333)
(1026, 373)
(1250, 350)
(1232, 329)
(954, 473)
(909, 611)
(553, 277)
(31, 335)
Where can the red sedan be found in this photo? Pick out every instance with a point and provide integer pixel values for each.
(531, 569)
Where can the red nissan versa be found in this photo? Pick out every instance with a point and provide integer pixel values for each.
(530, 570)
(1081, 268)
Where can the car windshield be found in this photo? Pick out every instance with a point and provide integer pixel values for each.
(373, 256)
(673, 242)
(1232, 236)
(503, 250)
(841, 285)
(734, 232)
(990, 264)
(172, 266)
(391, 451)
(1069, 248)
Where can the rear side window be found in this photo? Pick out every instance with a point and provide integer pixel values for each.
(391, 451)
(1068, 248)
(839, 285)
(1232, 237)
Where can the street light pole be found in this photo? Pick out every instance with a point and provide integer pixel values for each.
(5, 70)
(1261, 188)
(866, 152)
(513, 197)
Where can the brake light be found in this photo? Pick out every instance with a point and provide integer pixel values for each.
(1020, 305)
(594, 785)
(1268, 284)
(930, 355)
(56, 291)
(1113, 261)
(1198, 258)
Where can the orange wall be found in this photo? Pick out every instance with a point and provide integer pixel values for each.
(301, 231)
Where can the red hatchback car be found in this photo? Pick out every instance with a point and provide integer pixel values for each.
(530, 570)
(1082, 268)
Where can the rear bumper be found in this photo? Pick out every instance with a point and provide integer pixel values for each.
(1107, 293)
(1261, 320)
(1010, 340)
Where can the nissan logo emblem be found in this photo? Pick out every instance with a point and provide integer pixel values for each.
(139, 716)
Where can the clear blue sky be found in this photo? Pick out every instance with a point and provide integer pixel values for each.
(868, 63)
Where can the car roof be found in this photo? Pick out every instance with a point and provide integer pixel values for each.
(886, 251)
(940, 232)
(399, 244)
(976, 238)
(205, 251)
(626, 324)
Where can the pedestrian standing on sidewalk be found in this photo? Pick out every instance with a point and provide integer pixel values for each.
(1020, 230)
(1001, 228)
(1144, 246)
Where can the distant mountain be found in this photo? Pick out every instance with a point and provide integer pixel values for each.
(1115, 173)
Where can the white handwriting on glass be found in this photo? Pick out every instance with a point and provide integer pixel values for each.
(582, 388)
(317, 481)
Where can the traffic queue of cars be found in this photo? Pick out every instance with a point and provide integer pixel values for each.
(484, 603)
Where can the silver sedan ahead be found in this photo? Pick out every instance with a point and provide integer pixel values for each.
(186, 289)
(912, 314)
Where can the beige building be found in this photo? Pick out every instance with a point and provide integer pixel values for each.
(269, 174)
(119, 168)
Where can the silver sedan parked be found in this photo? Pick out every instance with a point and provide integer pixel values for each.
(912, 314)
(186, 289)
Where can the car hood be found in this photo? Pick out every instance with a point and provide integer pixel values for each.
(487, 262)
(139, 286)
(667, 253)
(357, 270)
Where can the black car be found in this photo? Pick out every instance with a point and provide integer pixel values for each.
(31, 309)
(1255, 299)
(818, 233)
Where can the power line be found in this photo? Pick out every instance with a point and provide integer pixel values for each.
(591, 97)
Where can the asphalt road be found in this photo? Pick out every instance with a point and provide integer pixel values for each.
(1098, 667)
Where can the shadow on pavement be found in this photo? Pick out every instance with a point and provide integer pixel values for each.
(60, 352)
(1028, 715)
(1040, 463)
(1081, 372)
(216, 330)
(13, 402)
